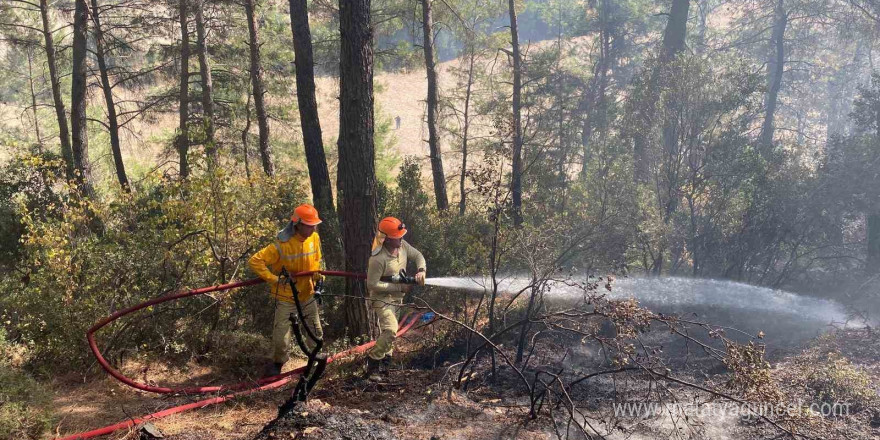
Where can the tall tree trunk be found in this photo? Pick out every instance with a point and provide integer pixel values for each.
(60, 113)
(516, 177)
(356, 182)
(673, 43)
(594, 99)
(874, 242)
(472, 54)
(79, 132)
(775, 68)
(874, 217)
(703, 11)
(676, 29)
(674, 38)
(244, 138)
(432, 101)
(108, 98)
(258, 89)
(30, 58)
(319, 175)
(561, 122)
(182, 141)
(521, 342)
(207, 87)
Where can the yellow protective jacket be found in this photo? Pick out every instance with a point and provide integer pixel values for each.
(295, 254)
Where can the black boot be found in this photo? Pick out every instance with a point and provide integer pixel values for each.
(373, 371)
(386, 364)
(273, 369)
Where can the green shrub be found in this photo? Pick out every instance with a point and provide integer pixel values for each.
(24, 403)
(838, 381)
(167, 236)
(452, 244)
(240, 353)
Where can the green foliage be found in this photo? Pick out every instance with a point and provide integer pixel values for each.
(169, 236)
(24, 403)
(865, 108)
(27, 184)
(238, 352)
(452, 244)
(384, 140)
(692, 116)
(836, 381)
(750, 373)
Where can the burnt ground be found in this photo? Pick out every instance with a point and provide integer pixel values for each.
(417, 402)
(412, 402)
(408, 406)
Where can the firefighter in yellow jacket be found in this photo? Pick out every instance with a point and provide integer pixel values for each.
(297, 249)
(390, 254)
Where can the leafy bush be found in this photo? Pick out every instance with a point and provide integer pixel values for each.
(837, 381)
(26, 185)
(24, 403)
(167, 236)
(239, 352)
(452, 244)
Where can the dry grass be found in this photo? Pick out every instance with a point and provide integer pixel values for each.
(146, 142)
(82, 406)
(411, 403)
(843, 367)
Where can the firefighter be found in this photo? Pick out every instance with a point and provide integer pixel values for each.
(297, 249)
(390, 254)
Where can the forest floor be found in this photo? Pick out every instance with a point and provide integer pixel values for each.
(415, 402)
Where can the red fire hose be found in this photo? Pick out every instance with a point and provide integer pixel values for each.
(90, 335)
(242, 389)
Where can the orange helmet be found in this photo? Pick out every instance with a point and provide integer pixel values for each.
(392, 227)
(305, 214)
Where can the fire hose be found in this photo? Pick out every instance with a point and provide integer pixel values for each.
(240, 389)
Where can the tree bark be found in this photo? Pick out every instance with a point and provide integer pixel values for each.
(112, 120)
(516, 177)
(472, 54)
(79, 132)
(673, 44)
(433, 102)
(316, 160)
(30, 58)
(874, 242)
(594, 104)
(521, 342)
(356, 182)
(674, 38)
(258, 89)
(207, 87)
(676, 29)
(873, 220)
(775, 68)
(182, 141)
(244, 138)
(60, 113)
(703, 11)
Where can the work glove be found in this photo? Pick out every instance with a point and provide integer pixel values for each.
(282, 277)
(319, 292)
(420, 277)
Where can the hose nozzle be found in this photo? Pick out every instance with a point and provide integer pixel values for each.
(400, 278)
